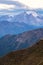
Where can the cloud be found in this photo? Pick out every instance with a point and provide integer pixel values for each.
(23, 3)
(5, 6)
(32, 3)
(10, 2)
(11, 7)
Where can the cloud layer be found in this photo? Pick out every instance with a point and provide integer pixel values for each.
(14, 6)
(32, 3)
(23, 3)
(10, 4)
(6, 6)
(10, 7)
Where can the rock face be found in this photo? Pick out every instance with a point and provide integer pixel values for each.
(29, 56)
(10, 43)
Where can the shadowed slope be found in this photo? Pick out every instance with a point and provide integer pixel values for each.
(29, 56)
(10, 43)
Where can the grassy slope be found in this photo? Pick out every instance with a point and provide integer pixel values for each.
(29, 56)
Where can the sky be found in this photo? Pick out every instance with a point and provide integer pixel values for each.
(10, 4)
(17, 6)
(32, 3)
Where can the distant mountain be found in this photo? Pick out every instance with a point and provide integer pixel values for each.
(10, 43)
(25, 17)
(14, 27)
(29, 56)
(27, 20)
(28, 17)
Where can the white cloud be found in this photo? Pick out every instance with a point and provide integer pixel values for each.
(5, 6)
(32, 3)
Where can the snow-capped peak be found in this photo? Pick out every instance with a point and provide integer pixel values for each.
(33, 13)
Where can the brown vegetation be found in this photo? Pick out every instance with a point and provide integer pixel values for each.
(29, 56)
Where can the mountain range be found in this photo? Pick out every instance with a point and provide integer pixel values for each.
(27, 17)
(14, 28)
(27, 20)
(9, 43)
(29, 56)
